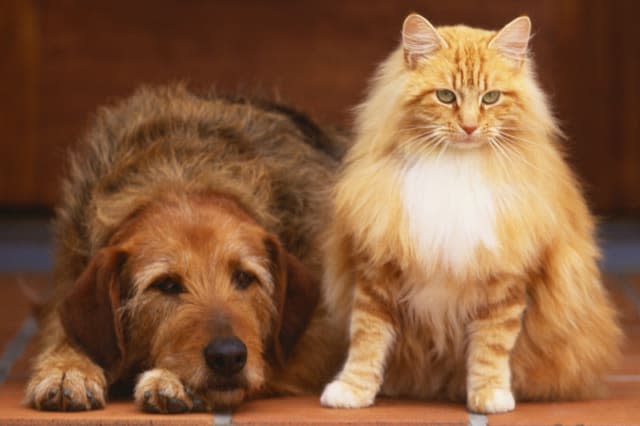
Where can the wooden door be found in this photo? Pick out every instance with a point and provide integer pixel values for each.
(61, 59)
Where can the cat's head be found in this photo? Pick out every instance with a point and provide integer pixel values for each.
(467, 88)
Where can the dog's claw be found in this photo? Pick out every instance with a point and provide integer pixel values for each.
(150, 408)
(67, 401)
(93, 402)
(198, 405)
(51, 403)
(175, 405)
(50, 406)
(71, 405)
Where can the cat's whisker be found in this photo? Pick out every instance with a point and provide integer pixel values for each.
(422, 130)
(519, 157)
(547, 173)
(443, 141)
(445, 145)
(498, 152)
(418, 139)
(422, 127)
(510, 128)
(424, 141)
(427, 127)
(514, 138)
(430, 140)
(432, 145)
(518, 195)
(506, 144)
(506, 159)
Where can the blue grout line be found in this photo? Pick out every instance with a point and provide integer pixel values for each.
(477, 419)
(222, 419)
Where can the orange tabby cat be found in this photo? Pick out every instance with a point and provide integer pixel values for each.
(462, 252)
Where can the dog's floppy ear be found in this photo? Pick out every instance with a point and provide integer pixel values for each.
(89, 313)
(297, 293)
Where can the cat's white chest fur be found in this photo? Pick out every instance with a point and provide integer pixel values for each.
(450, 207)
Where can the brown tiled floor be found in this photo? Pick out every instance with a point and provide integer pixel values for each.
(621, 407)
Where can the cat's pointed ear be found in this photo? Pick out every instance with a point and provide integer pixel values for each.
(512, 41)
(419, 39)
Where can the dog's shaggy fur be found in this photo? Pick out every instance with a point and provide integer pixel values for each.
(186, 221)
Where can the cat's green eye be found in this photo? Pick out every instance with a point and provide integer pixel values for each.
(491, 97)
(445, 96)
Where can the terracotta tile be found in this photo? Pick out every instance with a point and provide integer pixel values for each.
(307, 410)
(116, 413)
(612, 411)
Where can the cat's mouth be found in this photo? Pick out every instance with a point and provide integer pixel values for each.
(467, 141)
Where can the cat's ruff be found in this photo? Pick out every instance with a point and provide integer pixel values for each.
(450, 206)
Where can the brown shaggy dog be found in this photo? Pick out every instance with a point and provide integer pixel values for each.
(186, 253)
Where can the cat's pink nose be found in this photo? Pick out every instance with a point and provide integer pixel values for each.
(469, 129)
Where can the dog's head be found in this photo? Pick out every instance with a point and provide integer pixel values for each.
(194, 287)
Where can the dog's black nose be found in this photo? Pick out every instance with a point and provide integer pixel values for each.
(226, 355)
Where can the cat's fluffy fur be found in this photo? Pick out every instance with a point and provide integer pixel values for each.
(461, 256)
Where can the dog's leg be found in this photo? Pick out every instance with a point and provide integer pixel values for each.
(64, 379)
(161, 391)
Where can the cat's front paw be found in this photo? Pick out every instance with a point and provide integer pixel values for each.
(75, 389)
(161, 391)
(339, 394)
(490, 400)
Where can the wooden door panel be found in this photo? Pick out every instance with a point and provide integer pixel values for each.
(64, 58)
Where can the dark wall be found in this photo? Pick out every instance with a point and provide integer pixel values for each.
(61, 59)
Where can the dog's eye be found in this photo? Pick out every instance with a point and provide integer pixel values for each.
(168, 285)
(242, 279)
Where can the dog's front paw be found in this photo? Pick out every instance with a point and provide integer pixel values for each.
(161, 391)
(75, 389)
(490, 400)
(339, 394)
